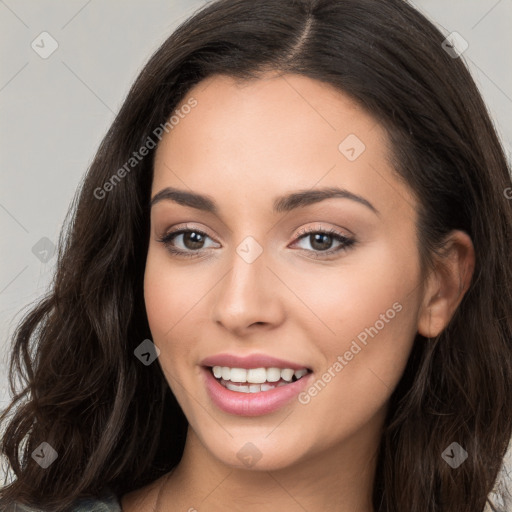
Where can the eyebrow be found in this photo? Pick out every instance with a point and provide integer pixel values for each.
(285, 203)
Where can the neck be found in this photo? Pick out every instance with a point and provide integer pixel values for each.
(336, 479)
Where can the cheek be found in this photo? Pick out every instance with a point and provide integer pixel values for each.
(158, 298)
(352, 295)
(360, 374)
(370, 307)
(163, 297)
(169, 294)
(175, 296)
(166, 303)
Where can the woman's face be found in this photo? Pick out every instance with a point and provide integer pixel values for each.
(344, 305)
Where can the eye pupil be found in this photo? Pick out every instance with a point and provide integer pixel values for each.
(195, 244)
(321, 238)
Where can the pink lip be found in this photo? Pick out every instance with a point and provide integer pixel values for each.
(252, 361)
(252, 404)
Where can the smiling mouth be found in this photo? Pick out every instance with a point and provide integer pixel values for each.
(255, 380)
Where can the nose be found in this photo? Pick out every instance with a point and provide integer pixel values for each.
(248, 296)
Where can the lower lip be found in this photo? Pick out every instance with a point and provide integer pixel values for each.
(252, 404)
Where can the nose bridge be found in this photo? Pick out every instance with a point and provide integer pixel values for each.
(247, 295)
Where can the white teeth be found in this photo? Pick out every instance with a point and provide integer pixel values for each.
(235, 387)
(300, 373)
(244, 388)
(240, 375)
(273, 374)
(287, 374)
(257, 375)
(226, 373)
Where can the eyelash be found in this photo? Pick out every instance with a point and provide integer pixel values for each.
(304, 233)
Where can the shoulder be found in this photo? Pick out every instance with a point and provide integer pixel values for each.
(108, 502)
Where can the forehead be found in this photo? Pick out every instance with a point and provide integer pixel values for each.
(262, 137)
(283, 106)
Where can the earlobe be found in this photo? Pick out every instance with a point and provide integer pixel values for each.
(447, 284)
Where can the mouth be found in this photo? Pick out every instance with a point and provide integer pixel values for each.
(256, 380)
(254, 391)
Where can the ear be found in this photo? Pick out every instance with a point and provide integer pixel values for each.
(446, 284)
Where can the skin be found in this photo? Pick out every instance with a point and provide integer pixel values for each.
(244, 144)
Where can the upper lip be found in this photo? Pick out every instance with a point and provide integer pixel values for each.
(251, 361)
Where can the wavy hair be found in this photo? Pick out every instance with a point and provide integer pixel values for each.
(115, 422)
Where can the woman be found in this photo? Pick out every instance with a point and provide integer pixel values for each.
(286, 285)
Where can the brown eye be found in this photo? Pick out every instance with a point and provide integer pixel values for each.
(321, 241)
(192, 241)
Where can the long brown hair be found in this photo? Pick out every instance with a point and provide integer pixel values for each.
(114, 421)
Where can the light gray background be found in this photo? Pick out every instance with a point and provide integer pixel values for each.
(55, 111)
